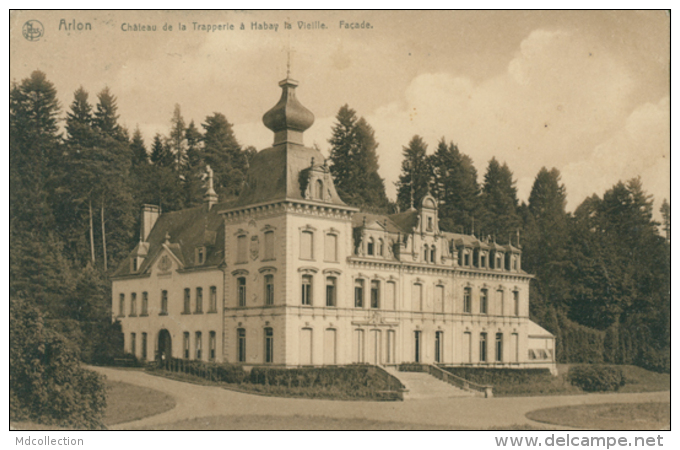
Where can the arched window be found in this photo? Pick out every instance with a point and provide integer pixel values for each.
(212, 344)
(370, 247)
(482, 347)
(268, 345)
(307, 245)
(241, 284)
(381, 247)
(241, 344)
(426, 251)
(484, 301)
(269, 290)
(307, 290)
(467, 300)
(319, 189)
(331, 291)
(433, 254)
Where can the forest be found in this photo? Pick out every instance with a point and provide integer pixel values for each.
(78, 180)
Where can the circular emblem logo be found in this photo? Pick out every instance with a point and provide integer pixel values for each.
(33, 30)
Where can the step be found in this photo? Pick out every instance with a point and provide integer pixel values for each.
(423, 385)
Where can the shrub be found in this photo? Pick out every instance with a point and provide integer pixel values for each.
(47, 383)
(596, 378)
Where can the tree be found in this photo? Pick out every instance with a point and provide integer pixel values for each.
(223, 153)
(454, 184)
(106, 116)
(666, 214)
(79, 120)
(138, 149)
(194, 167)
(177, 140)
(499, 202)
(354, 162)
(414, 180)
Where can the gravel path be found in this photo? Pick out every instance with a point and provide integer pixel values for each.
(194, 401)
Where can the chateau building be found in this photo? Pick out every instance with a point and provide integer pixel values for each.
(290, 275)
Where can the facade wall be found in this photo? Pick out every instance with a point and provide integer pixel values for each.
(175, 321)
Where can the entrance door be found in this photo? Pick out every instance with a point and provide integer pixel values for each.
(164, 345)
(438, 342)
(306, 346)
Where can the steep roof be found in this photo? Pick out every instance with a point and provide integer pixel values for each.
(181, 232)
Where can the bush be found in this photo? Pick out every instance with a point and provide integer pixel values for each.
(47, 384)
(501, 376)
(596, 378)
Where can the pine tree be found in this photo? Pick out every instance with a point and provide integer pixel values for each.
(454, 184)
(138, 149)
(499, 202)
(79, 120)
(354, 162)
(106, 116)
(177, 140)
(666, 214)
(414, 181)
(194, 167)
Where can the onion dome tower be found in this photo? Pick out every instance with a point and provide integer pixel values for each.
(288, 119)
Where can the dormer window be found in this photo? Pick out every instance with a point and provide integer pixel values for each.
(429, 224)
(200, 255)
(318, 189)
(135, 264)
(370, 247)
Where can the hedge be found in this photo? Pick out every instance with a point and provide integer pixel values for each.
(596, 378)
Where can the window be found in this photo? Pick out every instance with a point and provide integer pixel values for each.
(269, 290)
(391, 295)
(186, 345)
(514, 263)
(515, 301)
(268, 345)
(241, 250)
(467, 300)
(482, 347)
(199, 300)
(375, 294)
(200, 255)
(144, 343)
(417, 297)
(499, 347)
(241, 294)
(145, 304)
(187, 301)
(268, 245)
(331, 291)
(164, 303)
(438, 344)
(307, 290)
(133, 344)
(429, 224)
(319, 190)
(433, 254)
(241, 343)
(381, 247)
(133, 304)
(482, 261)
(213, 299)
(307, 245)
(370, 247)
(359, 293)
(416, 343)
(501, 302)
(426, 252)
(439, 298)
(499, 264)
(199, 345)
(484, 301)
(134, 264)
(121, 305)
(212, 344)
(331, 247)
(460, 257)
(467, 259)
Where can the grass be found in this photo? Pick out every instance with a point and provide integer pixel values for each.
(298, 422)
(125, 403)
(608, 416)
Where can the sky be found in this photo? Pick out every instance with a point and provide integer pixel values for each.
(586, 92)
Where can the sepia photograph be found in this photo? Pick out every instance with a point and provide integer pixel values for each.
(340, 220)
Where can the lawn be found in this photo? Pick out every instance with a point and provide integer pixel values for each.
(125, 403)
(608, 416)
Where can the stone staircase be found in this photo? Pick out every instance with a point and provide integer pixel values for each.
(423, 385)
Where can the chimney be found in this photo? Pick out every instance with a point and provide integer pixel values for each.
(150, 214)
